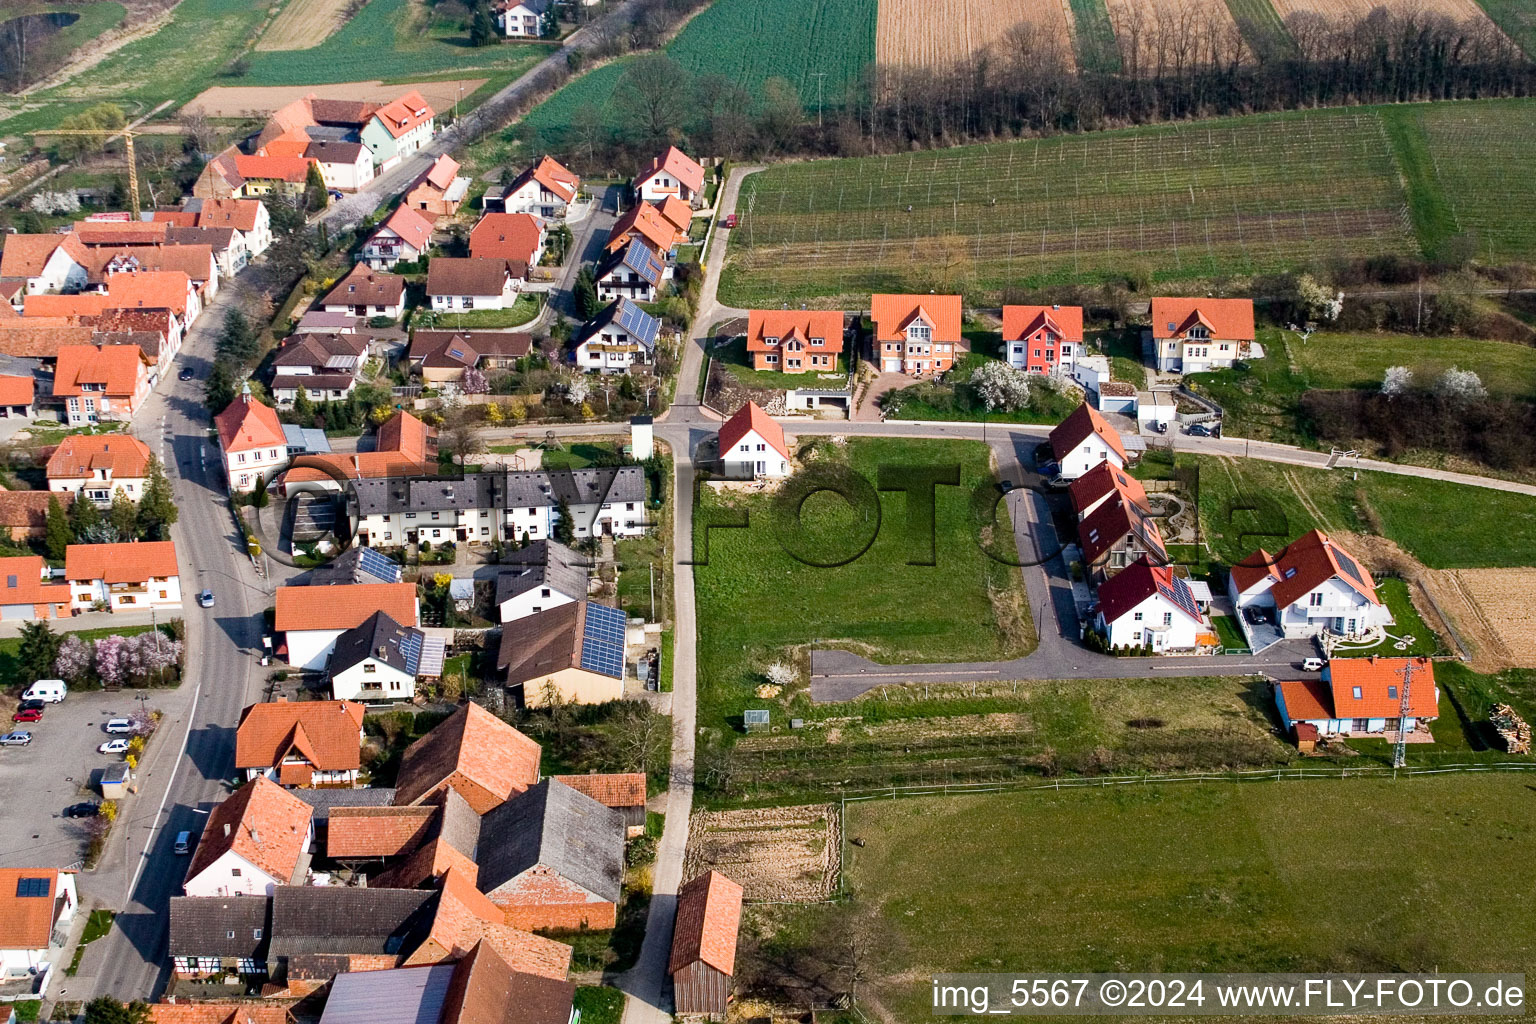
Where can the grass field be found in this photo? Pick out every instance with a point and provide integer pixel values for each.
(92, 20)
(1517, 19)
(1496, 210)
(734, 358)
(758, 605)
(1094, 37)
(389, 38)
(1194, 878)
(1183, 201)
(303, 24)
(1262, 28)
(1245, 504)
(747, 41)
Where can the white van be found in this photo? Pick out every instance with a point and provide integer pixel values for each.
(53, 691)
(119, 725)
(183, 843)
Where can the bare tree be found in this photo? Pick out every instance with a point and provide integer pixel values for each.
(652, 96)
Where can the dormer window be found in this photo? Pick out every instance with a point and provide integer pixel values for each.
(818, 342)
(770, 341)
(1199, 333)
(920, 332)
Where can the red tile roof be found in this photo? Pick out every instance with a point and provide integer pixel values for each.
(466, 916)
(118, 368)
(1140, 580)
(16, 390)
(401, 115)
(708, 918)
(27, 255)
(79, 304)
(1306, 564)
(1227, 319)
(411, 226)
(344, 605)
(626, 789)
(140, 232)
(261, 822)
(1083, 423)
(326, 733)
(28, 510)
(407, 435)
(1380, 681)
(245, 424)
(677, 213)
(376, 832)
(81, 455)
(240, 214)
(506, 236)
(151, 289)
(293, 170)
(777, 323)
(26, 921)
(647, 222)
(892, 313)
(365, 286)
(748, 418)
(1306, 699)
(123, 562)
(481, 756)
(553, 175)
(218, 1013)
(679, 165)
(440, 175)
(1102, 480)
(39, 339)
(28, 588)
(1022, 321)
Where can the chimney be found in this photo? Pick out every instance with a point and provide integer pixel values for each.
(226, 830)
(383, 651)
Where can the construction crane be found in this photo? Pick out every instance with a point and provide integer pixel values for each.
(107, 135)
(1400, 754)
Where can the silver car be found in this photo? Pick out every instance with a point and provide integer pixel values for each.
(15, 739)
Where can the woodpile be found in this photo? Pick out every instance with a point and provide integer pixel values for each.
(1513, 729)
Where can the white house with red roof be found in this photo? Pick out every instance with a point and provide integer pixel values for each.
(752, 446)
(1313, 587)
(1195, 335)
(671, 173)
(1083, 440)
(1146, 605)
(1362, 697)
(98, 465)
(255, 841)
(37, 906)
(546, 190)
(251, 442)
(1042, 339)
(128, 576)
(404, 235)
(398, 129)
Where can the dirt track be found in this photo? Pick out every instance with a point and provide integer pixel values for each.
(238, 100)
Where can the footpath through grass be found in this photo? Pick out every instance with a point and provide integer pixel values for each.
(759, 605)
(1204, 877)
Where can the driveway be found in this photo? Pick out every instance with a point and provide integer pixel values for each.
(869, 406)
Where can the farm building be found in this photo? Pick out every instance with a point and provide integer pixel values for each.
(1042, 339)
(1312, 587)
(623, 791)
(703, 959)
(1362, 697)
(794, 341)
(1195, 335)
(916, 334)
(575, 650)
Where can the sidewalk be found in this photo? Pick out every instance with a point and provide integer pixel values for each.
(98, 620)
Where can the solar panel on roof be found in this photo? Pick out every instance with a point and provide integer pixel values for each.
(433, 652)
(31, 887)
(637, 321)
(410, 650)
(1178, 593)
(375, 564)
(602, 647)
(1348, 565)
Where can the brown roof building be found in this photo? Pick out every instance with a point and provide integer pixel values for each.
(256, 840)
(703, 960)
(474, 753)
(301, 743)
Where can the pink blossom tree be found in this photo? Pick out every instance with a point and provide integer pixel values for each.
(110, 661)
(474, 382)
(74, 659)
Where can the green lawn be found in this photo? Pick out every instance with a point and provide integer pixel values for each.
(519, 313)
(1329, 360)
(1262, 28)
(733, 358)
(97, 925)
(1245, 503)
(1193, 878)
(1095, 37)
(758, 605)
(599, 1004)
(955, 399)
(575, 455)
(93, 18)
(1406, 622)
(1230, 632)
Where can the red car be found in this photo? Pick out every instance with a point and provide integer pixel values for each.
(730, 221)
(29, 715)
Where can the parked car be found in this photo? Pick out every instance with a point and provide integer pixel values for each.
(1157, 426)
(117, 725)
(29, 715)
(19, 738)
(187, 373)
(1198, 430)
(183, 843)
(82, 810)
(118, 746)
(729, 222)
(205, 599)
(50, 690)
(1312, 664)
(1005, 486)
(28, 705)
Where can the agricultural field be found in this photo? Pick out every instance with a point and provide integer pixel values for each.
(1472, 149)
(53, 32)
(1195, 877)
(759, 605)
(1232, 196)
(921, 36)
(1329, 360)
(777, 853)
(1262, 28)
(1094, 36)
(303, 24)
(1173, 35)
(1517, 19)
(239, 101)
(1502, 607)
(1346, 11)
(791, 39)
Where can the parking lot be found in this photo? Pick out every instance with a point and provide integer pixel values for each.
(60, 767)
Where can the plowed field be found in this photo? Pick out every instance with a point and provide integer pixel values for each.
(1337, 11)
(781, 854)
(1175, 34)
(939, 34)
(1501, 599)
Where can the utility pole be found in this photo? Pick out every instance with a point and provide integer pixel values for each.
(1400, 753)
(819, 75)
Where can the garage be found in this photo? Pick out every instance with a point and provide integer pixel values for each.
(13, 612)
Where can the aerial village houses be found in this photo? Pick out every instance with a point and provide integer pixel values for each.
(367, 292)
(1042, 339)
(1361, 697)
(546, 574)
(1196, 335)
(27, 590)
(254, 842)
(1147, 605)
(440, 190)
(795, 341)
(398, 129)
(1313, 587)
(100, 383)
(126, 575)
(573, 653)
(546, 190)
(404, 235)
(380, 660)
(467, 283)
(645, 223)
(37, 907)
(752, 446)
(517, 238)
(472, 752)
(17, 395)
(623, 791)
(441, 357)
(1083, 440)
(522, 19)
(633, 272)
(99, 465)
(312, 619)
(301, 744)
(325, 366)
(48, 263)
(917, 335)
(671, 173)
(702, 962)
(252, 444)
(622, 335)
(219, 936)
(1117, 533)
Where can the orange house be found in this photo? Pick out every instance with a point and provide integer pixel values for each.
(24, 594)
(915, 334)
(98, 383)
(795, 340)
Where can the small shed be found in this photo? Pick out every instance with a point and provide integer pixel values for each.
(1117, 396)
(703, 960)
(756, 720)
(115, 780)
(1306, 737)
